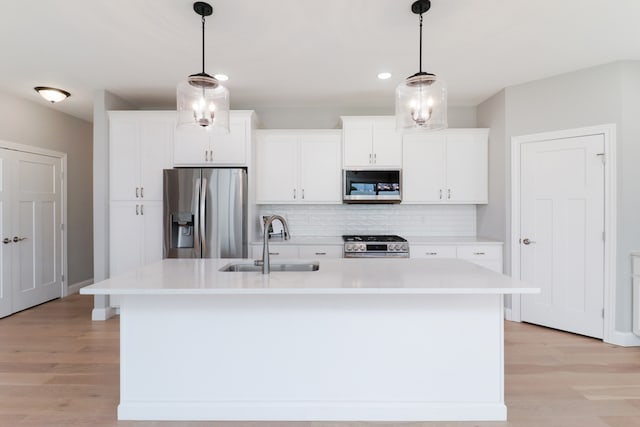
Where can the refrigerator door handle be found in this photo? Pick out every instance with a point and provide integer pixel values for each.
(196, 220)
(203, 203)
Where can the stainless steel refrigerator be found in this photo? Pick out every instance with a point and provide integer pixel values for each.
(205, 213)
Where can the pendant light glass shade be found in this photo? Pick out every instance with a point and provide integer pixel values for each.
(421, 103)
(203, 101)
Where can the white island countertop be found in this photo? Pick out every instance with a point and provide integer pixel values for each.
(335, 276)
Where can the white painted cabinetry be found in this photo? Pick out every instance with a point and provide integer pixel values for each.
(486, 255)
(140, 146)
(298, 166)
(635, 265)
(196, 146)
(285, 251)
(371, 142)
(449, 166)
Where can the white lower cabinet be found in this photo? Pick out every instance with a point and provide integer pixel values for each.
(489, 256)
(635, 266)
(135, 235)
(298, 251)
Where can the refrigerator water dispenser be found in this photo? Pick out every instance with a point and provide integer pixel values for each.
(182, 230)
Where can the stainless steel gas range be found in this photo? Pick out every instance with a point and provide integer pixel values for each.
(375, 246)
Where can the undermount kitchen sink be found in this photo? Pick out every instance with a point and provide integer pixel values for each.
(275, 267)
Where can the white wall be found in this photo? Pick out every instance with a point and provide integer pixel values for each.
(36, 124)
(594, 96)
(329, 118)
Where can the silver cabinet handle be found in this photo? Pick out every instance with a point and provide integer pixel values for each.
(206, 155)
(479, 253)
(321, 253)
(274, 253)
(527, 241)
(303, 193)
(294, 193)
(370, 158)
(141, 209)
(137, 192)
(142, 192)
(6, 240)
(375, 158)
(431, 253)
(441, 194)
(137, 209)
(449, 194)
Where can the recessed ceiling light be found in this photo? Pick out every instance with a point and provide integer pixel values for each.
(221, 77)
(384, 76)
(52, 94)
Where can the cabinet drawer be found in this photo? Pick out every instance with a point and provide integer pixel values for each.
(431, 251)
(320, 251)
(480, 252)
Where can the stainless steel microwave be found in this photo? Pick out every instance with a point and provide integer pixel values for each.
(372, 186)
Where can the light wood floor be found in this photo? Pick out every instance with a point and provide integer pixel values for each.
(58, 368)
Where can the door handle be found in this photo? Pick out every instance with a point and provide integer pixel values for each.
(527, 241)
(17, 239)
(203, 212)
(6, 240)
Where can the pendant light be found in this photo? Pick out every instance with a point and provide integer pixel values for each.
(202, 100)
(421, 100)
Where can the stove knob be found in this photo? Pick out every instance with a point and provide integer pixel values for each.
(362, 248)
(405, 247)
(348, 248)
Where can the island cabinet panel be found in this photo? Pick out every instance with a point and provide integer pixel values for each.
(197, 146)
(449, 166)
(312, 357)
(371, 142)
(635, 268)
(298, 167)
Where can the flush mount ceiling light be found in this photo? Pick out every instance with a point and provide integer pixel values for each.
(384, 76)
(421, 100)
(202, 100)
(52, 94)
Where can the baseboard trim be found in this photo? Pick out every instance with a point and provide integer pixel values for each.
(75, 288)
(624, 339)
(507, 314)
(98, 314)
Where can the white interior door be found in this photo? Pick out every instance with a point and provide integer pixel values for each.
(562, 233)
(5, 233)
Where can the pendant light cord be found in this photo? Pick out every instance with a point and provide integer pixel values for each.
(203, 42)
(420, 43)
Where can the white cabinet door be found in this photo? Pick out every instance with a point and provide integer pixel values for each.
(125, 237)
(467, 168)
(191, 147)
(424, 168)
(152, 222)
(197, 146)
(139, 149)
(298, 167)
(319, 171)
(124, 158)
(387, 143)
(357, 143)
(276, 180)
(231, 148)
(320, 251)
(155, 155)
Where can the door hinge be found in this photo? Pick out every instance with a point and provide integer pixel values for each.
(602, 157)
(62, 278)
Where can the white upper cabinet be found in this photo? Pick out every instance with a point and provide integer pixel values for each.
(371, 142)
(449, 166)
(298, 166)
(195, 146)
(140, 144)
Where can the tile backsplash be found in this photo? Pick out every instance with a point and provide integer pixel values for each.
(408, 220)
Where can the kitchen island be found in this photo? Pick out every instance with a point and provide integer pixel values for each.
(359, 339)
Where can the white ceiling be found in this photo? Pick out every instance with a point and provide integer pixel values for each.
(302, 53)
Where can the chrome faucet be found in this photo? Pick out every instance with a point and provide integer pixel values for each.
(266, 263)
